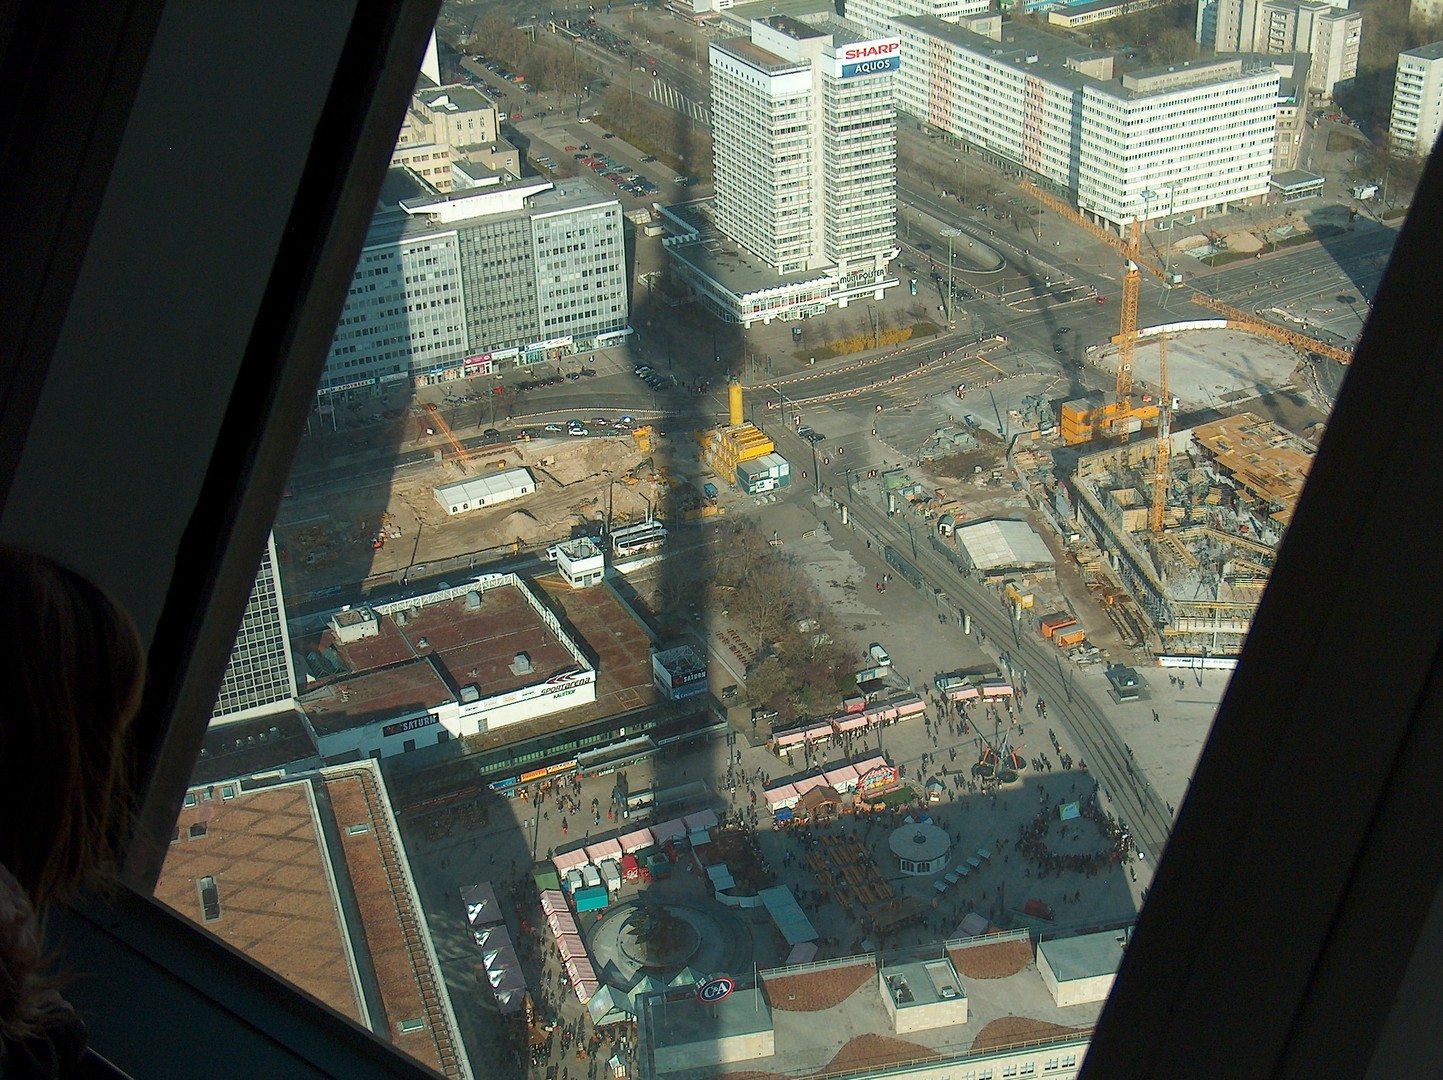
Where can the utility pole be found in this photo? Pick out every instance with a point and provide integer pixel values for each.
(949, 233)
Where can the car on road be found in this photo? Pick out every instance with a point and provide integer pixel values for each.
(1058, 348)
(647, 158)
(1064, 329)
(608, 134)
(584, 120)
(588, 372)
(573, 375)
(584, 146)
(491, 433)
(553, 427)
(576, 432)
(627, 420)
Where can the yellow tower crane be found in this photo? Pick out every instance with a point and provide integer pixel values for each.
(1127, 333)
(1131, 250)
(1157, 514)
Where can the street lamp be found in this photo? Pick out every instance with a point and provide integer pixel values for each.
(951, 313)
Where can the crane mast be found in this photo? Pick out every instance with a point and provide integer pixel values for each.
(1157, 514)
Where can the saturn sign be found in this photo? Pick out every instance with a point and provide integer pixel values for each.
(714, 990)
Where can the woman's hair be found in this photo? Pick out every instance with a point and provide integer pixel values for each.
(71, 671)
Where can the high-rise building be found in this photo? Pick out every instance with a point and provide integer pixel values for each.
(805, 136)
(1330, 35)
(1417, 100)
(1190, 138)
(499, 275)
(259, 679)
(1328, 32)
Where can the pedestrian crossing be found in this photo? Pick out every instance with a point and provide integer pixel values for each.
(663, 93)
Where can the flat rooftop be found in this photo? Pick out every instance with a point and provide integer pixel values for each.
(1085, 956)
(735, 269)
(748, 51)
(263, 853)
(926, 981)
(1038, 53)
(455, 99)
(423, 662)
(245, 747)
(264, 850)
(1003, 543)
(815, 1033)
(390, 224)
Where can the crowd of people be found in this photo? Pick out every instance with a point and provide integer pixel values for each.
(1034, 842)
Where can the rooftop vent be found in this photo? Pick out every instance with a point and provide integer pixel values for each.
(209, 899)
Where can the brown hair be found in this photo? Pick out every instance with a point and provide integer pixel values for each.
(71, 671)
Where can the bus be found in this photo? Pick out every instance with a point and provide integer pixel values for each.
(636, 539)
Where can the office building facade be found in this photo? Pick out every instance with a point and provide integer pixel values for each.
(1192, 138)
(806, 147)
(462, 285)
(879, 16)
(259, 678)
(1417, 114)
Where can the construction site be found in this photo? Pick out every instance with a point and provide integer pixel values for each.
(613, 476)
(1195, 543)
(1187, 522)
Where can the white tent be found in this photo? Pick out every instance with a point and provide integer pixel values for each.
(634, 841)
(481, 906)
(703, 819)
(570, 945)
(491, 937)
(607, 849)
(510, 1001)
(500, 959)
(569, 860)
(607, 1006)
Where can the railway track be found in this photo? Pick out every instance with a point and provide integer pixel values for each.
(1071, 708)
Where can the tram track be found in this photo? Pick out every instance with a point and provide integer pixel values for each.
(1071, 708)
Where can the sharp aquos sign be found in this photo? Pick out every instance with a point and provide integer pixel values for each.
(870, 57)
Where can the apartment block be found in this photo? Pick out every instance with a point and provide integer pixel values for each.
(1417, 100)
(1191, 138)
(878, 16)
(1328, 32)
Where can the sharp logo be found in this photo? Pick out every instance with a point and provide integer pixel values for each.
(867, 52)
